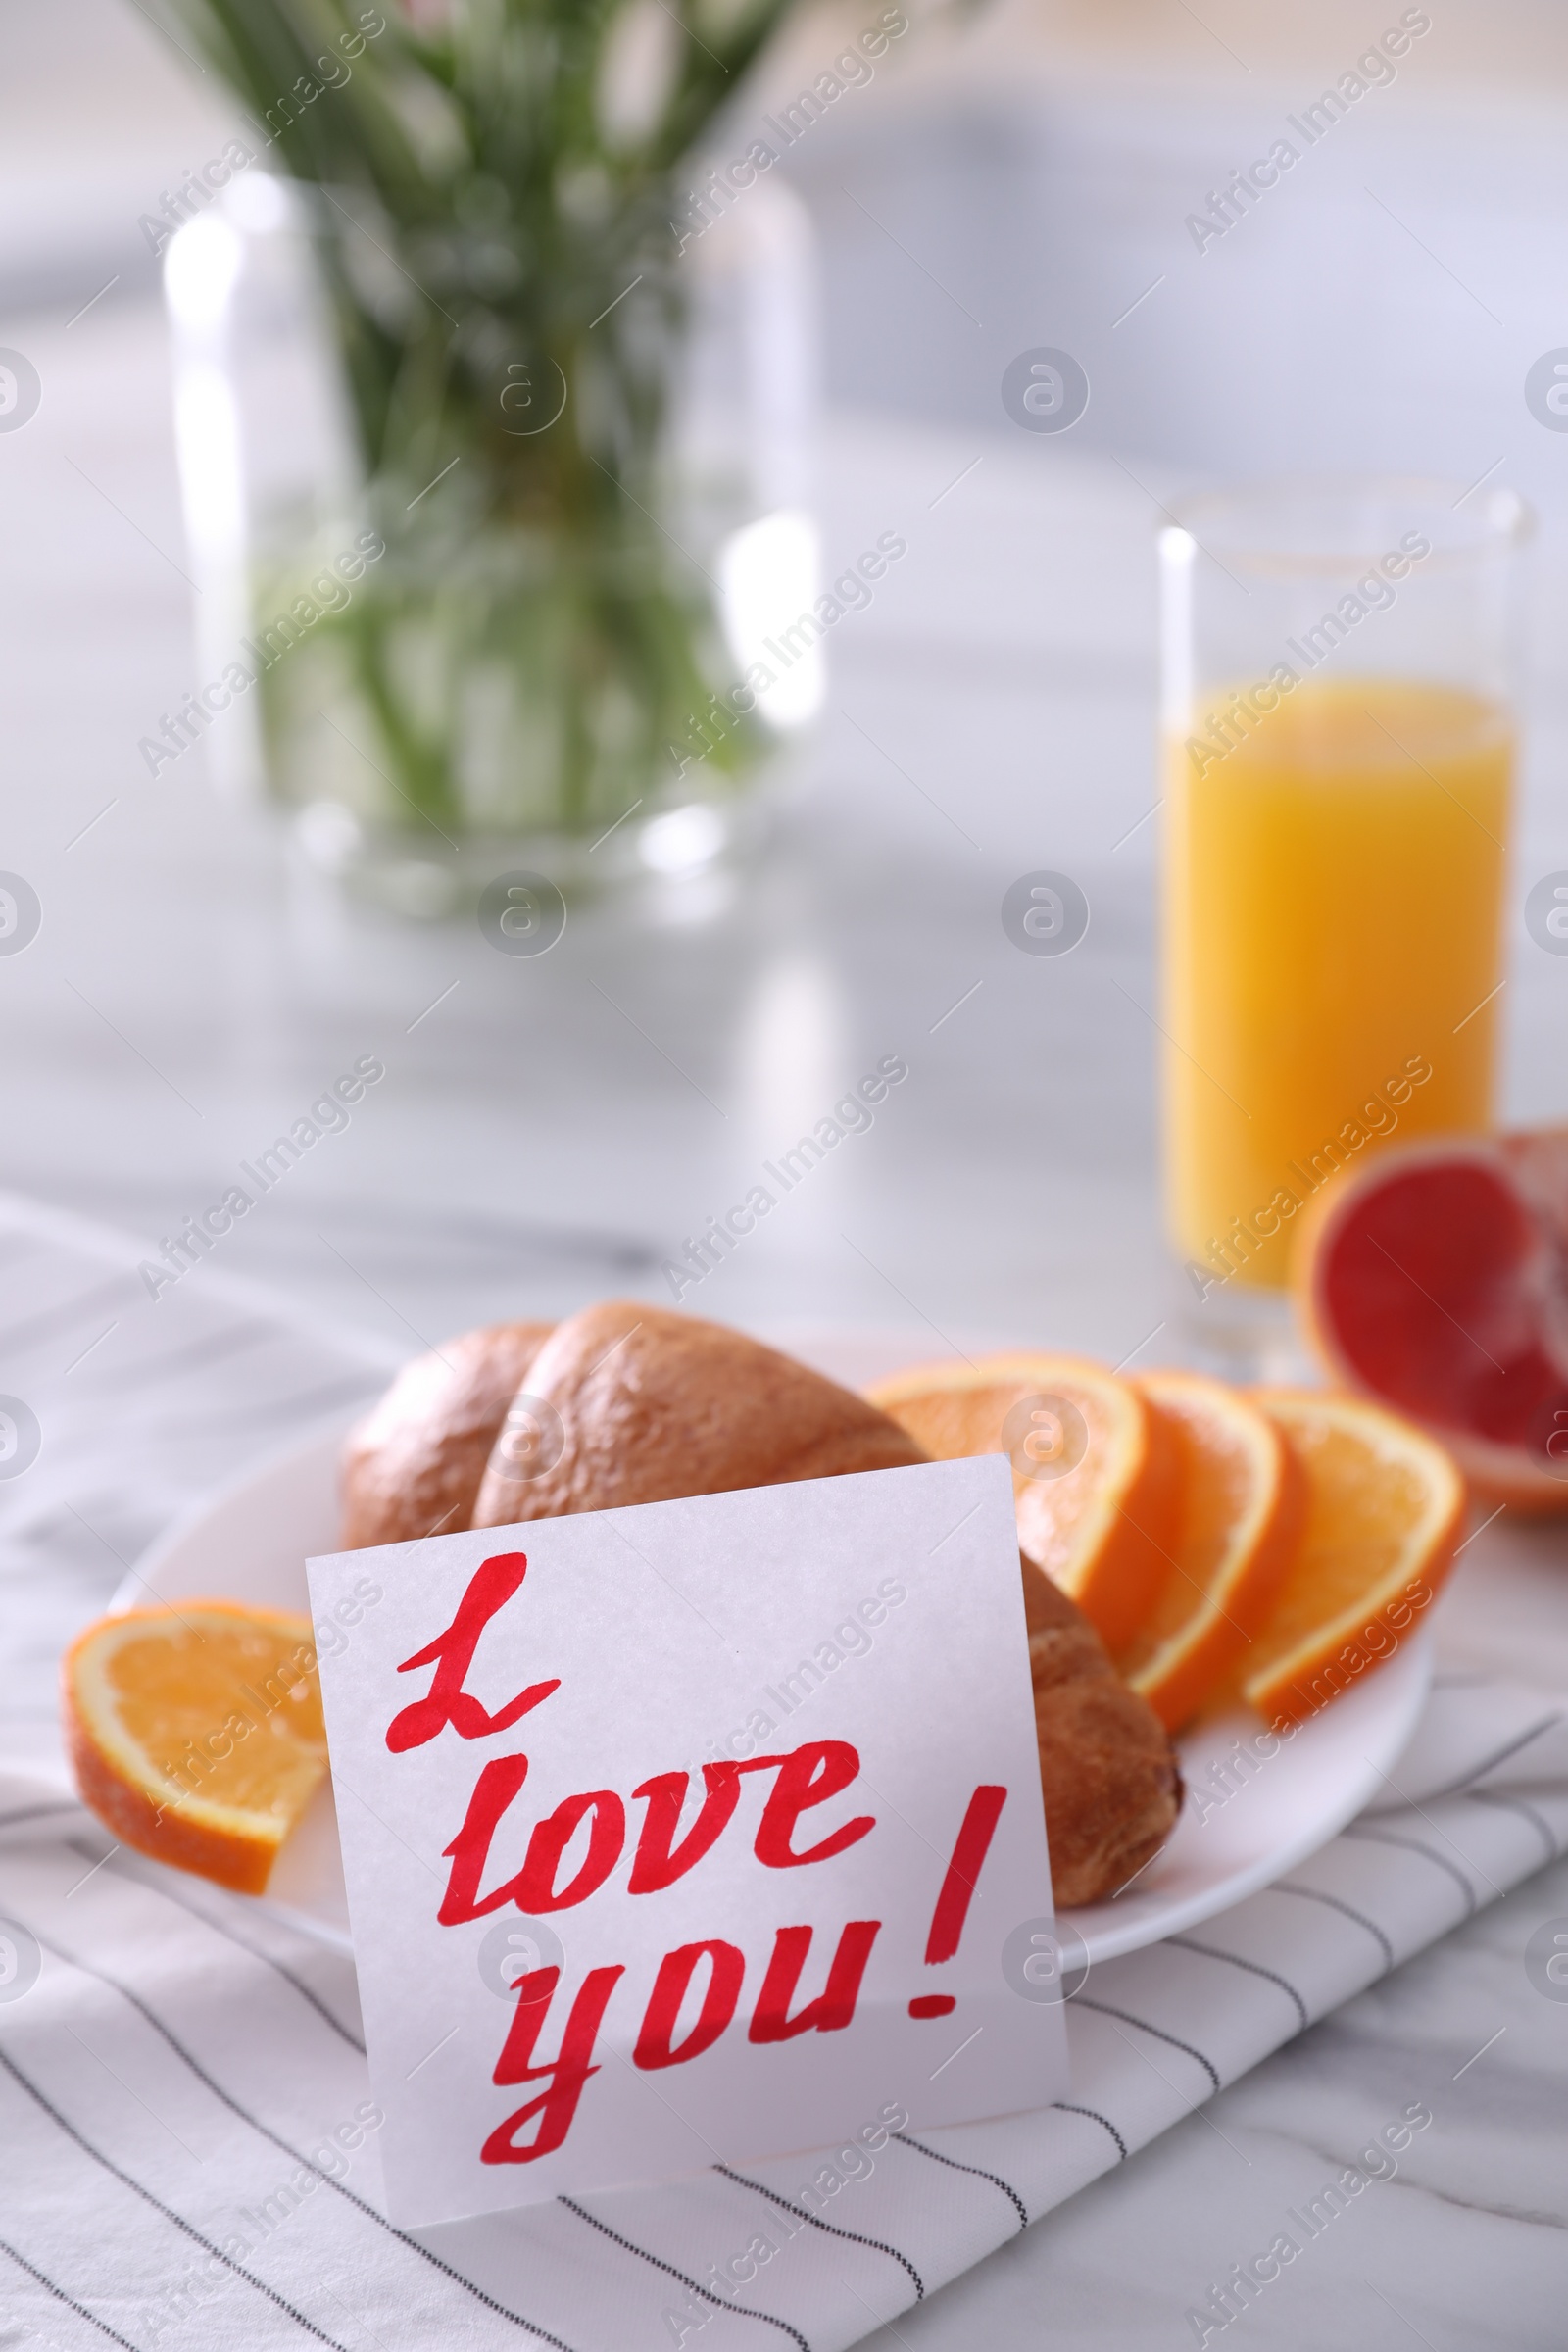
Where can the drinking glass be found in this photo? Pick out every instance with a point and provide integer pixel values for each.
(1337, 715)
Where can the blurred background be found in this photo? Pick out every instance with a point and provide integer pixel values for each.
(553, 1128)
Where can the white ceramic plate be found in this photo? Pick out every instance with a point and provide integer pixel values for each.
(1237, 1831)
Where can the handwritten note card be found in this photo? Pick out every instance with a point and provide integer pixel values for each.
(689, 1832)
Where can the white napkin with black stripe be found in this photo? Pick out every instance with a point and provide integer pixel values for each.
(188, 2152)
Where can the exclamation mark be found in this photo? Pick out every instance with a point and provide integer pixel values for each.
(975, 1834)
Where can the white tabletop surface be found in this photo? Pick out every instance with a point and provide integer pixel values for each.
(553, 1129)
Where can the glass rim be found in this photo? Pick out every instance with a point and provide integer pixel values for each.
(1501, 521)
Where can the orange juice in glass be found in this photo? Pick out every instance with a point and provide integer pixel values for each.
(1337, 754)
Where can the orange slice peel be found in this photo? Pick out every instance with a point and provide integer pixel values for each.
(1384, 1503)
(196, 1735)
(1237, 1525)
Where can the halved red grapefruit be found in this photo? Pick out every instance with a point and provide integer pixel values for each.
(1436, 1280)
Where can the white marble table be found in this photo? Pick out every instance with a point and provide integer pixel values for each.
(551, 1129)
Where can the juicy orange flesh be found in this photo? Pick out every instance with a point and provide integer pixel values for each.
(1362, 1505)
(952, 1424)
(254, 1690)
(1219, 1488)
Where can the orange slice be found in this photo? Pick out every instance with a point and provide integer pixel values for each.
(1093, 1470)
(1235, 1527)
(1384, 1504)
(196, 1735)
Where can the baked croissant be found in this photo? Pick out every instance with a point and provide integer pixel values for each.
(1108, 1769)
(655, 1405)
(413, 1466)
(626, 1404)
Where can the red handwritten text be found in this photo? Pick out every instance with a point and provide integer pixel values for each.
(452, 1655)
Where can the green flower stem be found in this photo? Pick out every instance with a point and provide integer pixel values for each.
(532, 644)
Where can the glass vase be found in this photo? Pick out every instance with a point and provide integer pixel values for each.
(547, 655)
